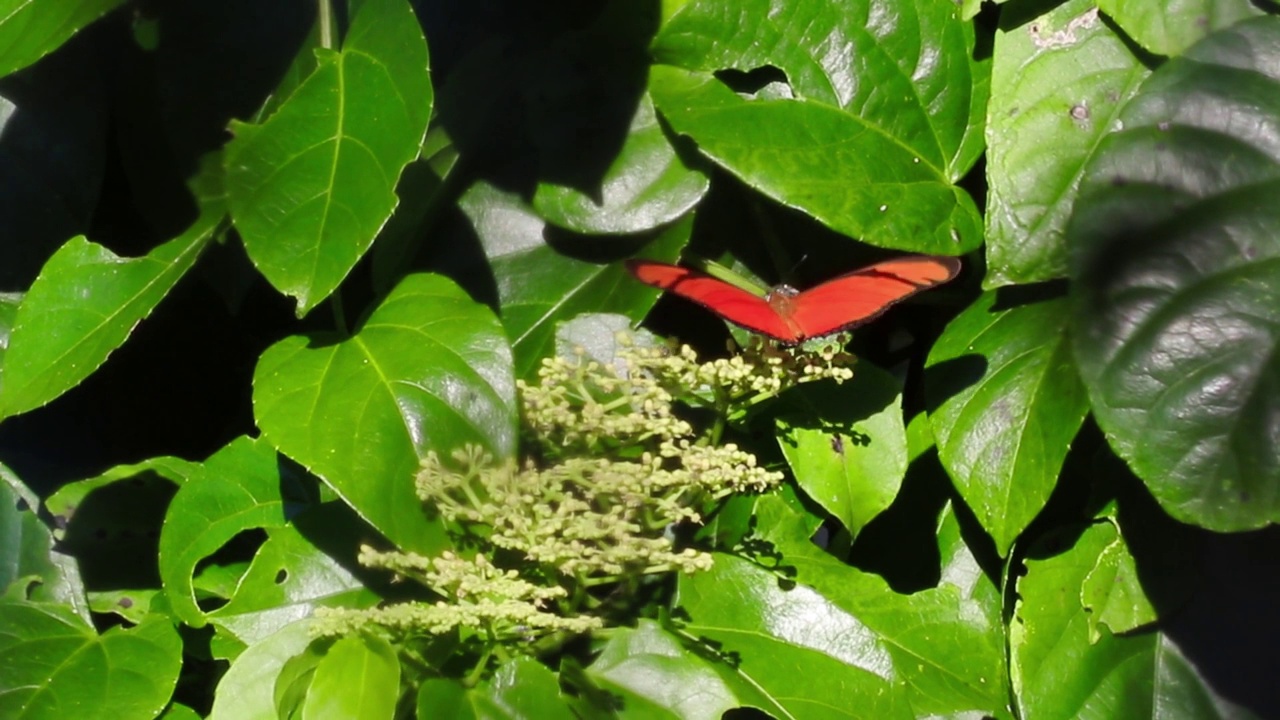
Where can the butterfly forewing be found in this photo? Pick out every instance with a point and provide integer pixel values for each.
(855, 298)
(730, 302)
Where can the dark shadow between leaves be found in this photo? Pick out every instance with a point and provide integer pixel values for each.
(561, 83)
(951, 377)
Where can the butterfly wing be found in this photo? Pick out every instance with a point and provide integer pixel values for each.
(728, 301)
(862, 295)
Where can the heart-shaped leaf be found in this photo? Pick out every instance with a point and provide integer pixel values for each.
(1057, 87)
(847, 445)
(429, 370)
(53, 665)
(1009, 402)
(1176, 280)
(311, 186)
(877, 111)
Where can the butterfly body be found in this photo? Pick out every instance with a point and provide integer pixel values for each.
(792, 316)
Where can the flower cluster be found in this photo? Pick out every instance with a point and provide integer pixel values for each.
(621, 471)
(480, 596)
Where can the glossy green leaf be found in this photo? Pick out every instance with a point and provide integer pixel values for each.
(1171, 28)
(1057, 85)
(878, 111)
(247, 690)
(87, 301)
(1111, 593)
(1176, 280)
(358, 679)
(520, 688)
(1008, 404)
(1058, 672)
(31, 29)
(846, 444)
(30, 568)
(944, 645)
(9, 303)
(429, 370)
(162, 472)
(809, 657)
(290, 577)
(53, 665)
(539, 287)
(647, 185)
(241, 488)
(654, 675)
(312, 185)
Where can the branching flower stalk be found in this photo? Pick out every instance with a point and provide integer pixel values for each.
(558, 548)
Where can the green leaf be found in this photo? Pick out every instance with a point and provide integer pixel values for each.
(111, 523)
(53, 665)
(87, 301)
(241, 488)
(652, 673)
(429, 370)
(1111, 593)
(9, 303)
(520, 688)
(311, 186)
(1172, 28)
(539, 287)
(358, 679)
(647, 185)
(31, 29)
(30, 568)
(880, 111)
(945, 645)
(1008, 404)
(846, 444)
(247, 691)
(1176, 281)
(290, 576)
(808, 657)
(1057, 85)
(1057, 672)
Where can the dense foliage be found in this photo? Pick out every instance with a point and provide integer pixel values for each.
(318, 396)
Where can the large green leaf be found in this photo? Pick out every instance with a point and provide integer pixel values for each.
(1176, 269)
(808, 656)
(311, 186)
(943, 645)
(1170, 28)
(1064, 665)
(242, 488)
(31, 29)
(878, 112)
(846, 444)
(520, 688)
(53, 665)
(1057, 85)
(429, 370)
(651, 672)
(27, 555)
(539, 287)
(86, 302)
(1008, 403)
